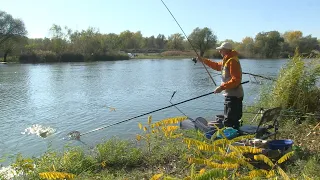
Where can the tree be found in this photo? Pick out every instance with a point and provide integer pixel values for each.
(113, 41)
(12, 31)
(161, 41)
(268, 44)
(295, 39)
(246, 47)
(59, 42)
(203, 39)
(39, 44)
(175, 41)
(273, 44)
(137, 40)
(89, 40)
(292, 37)
(291, 41)
(307, 44)
(10, 27)
(150, 42)
(13, 46)
(131, 40)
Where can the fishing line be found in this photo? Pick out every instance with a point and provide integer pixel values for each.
(189, 42)
(176, 106)
(260, 76)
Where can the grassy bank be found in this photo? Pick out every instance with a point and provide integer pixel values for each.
(167, 153)
(157, 56)
(163, 151)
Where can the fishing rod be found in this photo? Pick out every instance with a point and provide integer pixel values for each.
(189, 42)
(76, 134)
(195, 60)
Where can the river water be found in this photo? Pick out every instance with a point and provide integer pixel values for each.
(79, 96)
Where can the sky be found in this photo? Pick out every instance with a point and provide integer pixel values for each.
(228, 19)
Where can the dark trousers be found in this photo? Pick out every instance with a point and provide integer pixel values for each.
(232, 111)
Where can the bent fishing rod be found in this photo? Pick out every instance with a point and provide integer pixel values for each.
(76, 134)
(255, 75)
(189, 42)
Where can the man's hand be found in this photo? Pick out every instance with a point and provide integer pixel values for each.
(196, 59)
(218, 90)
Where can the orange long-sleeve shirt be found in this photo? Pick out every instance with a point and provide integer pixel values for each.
(233, 66)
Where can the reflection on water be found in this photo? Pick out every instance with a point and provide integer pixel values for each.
(77, 96)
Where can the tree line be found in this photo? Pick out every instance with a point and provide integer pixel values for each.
(64, 44)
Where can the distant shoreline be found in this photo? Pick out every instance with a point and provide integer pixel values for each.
(15, 59)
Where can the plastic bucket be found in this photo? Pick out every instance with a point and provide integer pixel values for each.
(230, 133)
(280, 144)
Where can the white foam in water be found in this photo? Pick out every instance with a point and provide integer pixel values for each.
(39, 130)
(8, 172)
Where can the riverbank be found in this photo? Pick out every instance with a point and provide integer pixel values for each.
(51, 57)
(167, 153)
(155, 56)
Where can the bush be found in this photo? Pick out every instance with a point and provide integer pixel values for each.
(74, 160)
(296, 87)
(38, 57)
(46, 56)
(29, 58)
(108, 57)
(50, 57)
(71, 57)
(119, 153)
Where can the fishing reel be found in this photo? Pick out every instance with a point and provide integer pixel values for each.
(194, 60)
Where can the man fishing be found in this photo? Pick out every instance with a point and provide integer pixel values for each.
(231, 74)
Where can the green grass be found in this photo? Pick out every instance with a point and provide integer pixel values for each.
(123, 159)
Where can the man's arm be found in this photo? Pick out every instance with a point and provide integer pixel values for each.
(214, 65)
